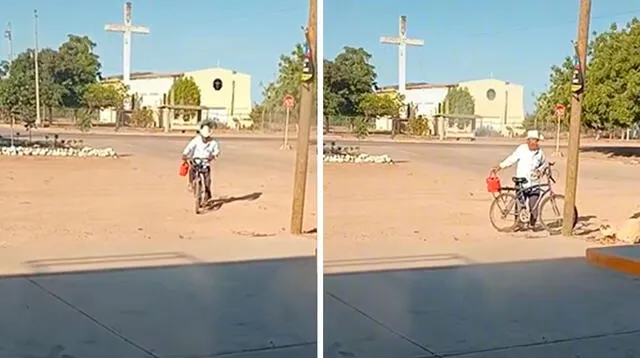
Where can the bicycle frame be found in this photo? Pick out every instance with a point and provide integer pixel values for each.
(522, 192)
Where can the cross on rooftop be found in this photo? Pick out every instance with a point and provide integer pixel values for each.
(402, 41)
(127, 29)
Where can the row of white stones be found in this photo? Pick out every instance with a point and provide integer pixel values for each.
(360, 158)
(57, 152)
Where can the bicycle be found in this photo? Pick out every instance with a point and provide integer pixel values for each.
(516, 204)
(201, 170)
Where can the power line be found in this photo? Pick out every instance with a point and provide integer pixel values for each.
(549, 26)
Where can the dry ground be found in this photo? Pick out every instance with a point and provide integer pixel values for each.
(432, 208)
(72, 207)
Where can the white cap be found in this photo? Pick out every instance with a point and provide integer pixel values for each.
(205, 131)
(534, 134)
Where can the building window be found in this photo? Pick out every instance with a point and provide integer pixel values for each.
(491, 94)
(217, 84)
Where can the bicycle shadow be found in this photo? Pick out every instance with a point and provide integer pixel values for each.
(587, 225)
(217, 203)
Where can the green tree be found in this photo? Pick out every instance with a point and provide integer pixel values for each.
(51, 90)
(347, 79)
(460, 101)
(287, 82)
(18, 90)
(611, 100)
(558, 92)
(612, 81)
(374, 105)
(105, 95)
(186, 92)
(78, 67)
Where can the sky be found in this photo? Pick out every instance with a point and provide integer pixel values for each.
(512, 40)
(243, 35)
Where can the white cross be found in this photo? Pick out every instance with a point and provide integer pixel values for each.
(402, 41)
(127, 29)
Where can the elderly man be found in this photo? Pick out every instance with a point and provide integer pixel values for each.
(204, 147)
(530, 161)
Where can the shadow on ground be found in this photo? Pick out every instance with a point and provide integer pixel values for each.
(614, 151)
(258, 309)
(550, 308)
(216, 204)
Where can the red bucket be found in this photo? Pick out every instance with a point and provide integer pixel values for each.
(184, 169)
(493, 184)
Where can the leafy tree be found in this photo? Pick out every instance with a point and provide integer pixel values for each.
(186, 92)
(332, 100)
(287, 82)
(18, 91)
(51, 90)
(612, 81)
(460, 101)
(347, 79)
(374, 105)
(78, 67)
(559, 92)
(105, 95)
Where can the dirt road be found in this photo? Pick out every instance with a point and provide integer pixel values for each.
(138, 202)
(434, 202)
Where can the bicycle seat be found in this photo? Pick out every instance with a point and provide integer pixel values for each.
(519, 181)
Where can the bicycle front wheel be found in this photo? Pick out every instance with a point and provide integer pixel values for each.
(503, 212)
(552, 212)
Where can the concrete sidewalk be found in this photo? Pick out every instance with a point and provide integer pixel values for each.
(259, 309)
(546, 308)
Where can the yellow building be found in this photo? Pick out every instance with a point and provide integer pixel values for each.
(225, 93)
(498, 104)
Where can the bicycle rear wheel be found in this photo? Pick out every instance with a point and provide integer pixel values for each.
(553, 221)
(197, 192)
(504, 207)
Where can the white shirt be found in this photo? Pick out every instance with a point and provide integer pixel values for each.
(527, 161)
(199, 149)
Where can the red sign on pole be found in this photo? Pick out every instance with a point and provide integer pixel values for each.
(560, 110)
(288, 101)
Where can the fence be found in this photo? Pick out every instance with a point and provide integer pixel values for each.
(269, 120)
(484, 127)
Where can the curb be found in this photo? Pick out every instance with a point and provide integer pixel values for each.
(612, 258)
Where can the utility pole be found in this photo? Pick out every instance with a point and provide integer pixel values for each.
(8, 34)
(35, 58)
(306, 116)
(574, 126)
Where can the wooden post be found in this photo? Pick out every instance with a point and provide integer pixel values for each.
(171, 113)
(306, 116)
(574, 126)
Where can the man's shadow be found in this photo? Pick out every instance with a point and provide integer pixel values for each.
(217, 203)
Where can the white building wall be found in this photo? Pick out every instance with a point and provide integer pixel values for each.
(426, 99)
(152, 90)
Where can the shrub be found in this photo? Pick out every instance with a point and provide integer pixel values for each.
(142, 118)
(419, 126)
